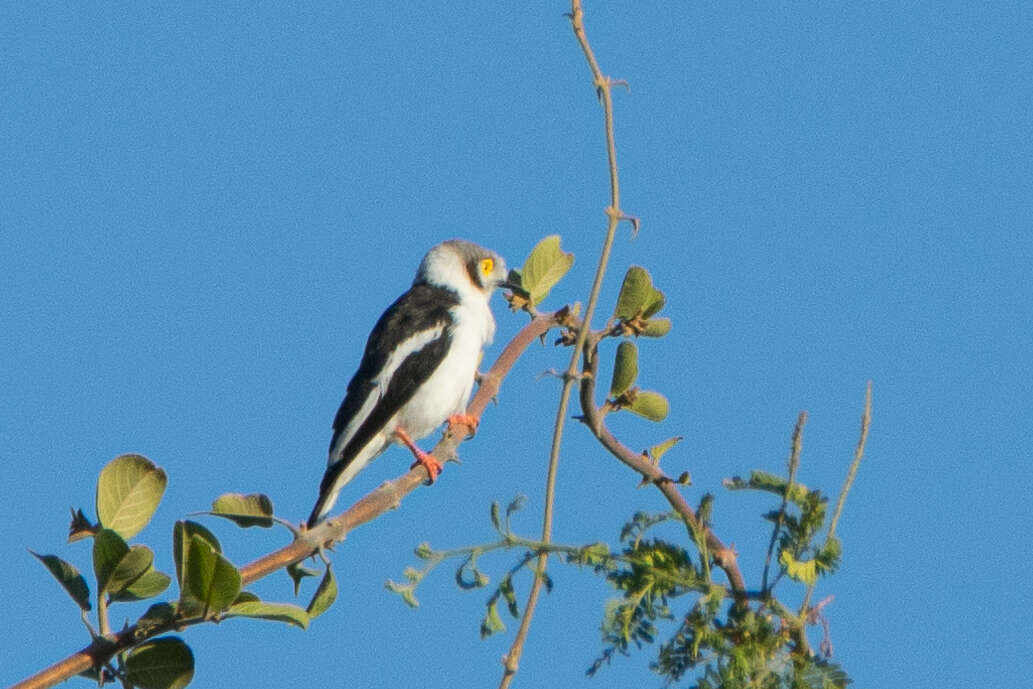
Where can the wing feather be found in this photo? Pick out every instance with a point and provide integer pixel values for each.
(406, 346)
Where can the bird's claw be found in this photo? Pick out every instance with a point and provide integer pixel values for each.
(468, 420)
(428, 462)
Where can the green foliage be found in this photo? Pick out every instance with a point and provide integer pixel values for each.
(248, 605)
(658, 451)
(503, 527)
(625, 368)
(656, 327)
(649, 405)
(325, 595)
(492, 623)
(637, 303)
(163, 663)
(128, 491)
(109, 550)
(545, 266)
(245, 510)
(210, 582)
(648, 573)
(182, 533)
(147, 585)
(69, 578)
(158, 616)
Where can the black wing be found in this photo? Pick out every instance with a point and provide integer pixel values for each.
(422, 308)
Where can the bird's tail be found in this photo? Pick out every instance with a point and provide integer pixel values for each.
(323, 505)
(337, 475)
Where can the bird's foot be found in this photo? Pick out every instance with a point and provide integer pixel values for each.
(468, 420)
(424, 459)
(428, 462)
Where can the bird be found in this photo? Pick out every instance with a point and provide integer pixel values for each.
(419, 365)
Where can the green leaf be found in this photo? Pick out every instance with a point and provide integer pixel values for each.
(276, 612)
(625, 368)
(326, 594)
(650, 405)
(655, 301)
(80, 527)
(182, 532)
(544, 267)
(658, 451)
(108, 551)
(255, 509)
(69, 577)
(506, 589)
(770, 483)
(492, 623)
(158, 615)
(130, 569)
(636, 290)
(801, 570)
(211, 580)
(656, 327)
(128, 491)
(297, 572)
(163, 663)
(827, 557)
(148, 585)
(496, 520)
(825, 675)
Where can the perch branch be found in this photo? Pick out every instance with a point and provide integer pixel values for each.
(386, 497)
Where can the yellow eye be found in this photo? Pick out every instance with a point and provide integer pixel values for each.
(487, 265)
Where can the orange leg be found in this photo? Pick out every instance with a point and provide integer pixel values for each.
(424, 459)
(468, 420)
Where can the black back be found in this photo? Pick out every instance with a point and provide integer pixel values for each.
(424, 307)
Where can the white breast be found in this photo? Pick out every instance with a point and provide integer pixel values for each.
(448, 389)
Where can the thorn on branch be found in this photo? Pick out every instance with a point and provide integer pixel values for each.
(620, 82)
(635, 223)
(565, 376)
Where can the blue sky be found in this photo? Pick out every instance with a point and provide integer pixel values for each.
(203, 209)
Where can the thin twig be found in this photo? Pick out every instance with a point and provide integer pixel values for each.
(866, 418)
(794, 464)
(511, 661)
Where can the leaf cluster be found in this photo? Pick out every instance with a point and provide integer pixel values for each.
(798, 522)
(129, 490)
(723, 643)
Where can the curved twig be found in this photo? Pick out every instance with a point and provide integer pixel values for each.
(723, 555)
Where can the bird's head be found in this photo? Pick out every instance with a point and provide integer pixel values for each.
(464, 267)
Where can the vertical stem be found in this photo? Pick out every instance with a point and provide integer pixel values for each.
(866, 419)
(512, 659)
(794, 464)
(102, 615)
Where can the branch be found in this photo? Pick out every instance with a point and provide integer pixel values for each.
(386, 497)
(511, 660)
(724, 556)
